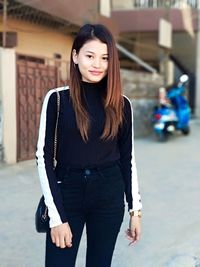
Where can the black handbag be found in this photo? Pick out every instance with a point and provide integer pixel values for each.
(41, 217)
(41, 214)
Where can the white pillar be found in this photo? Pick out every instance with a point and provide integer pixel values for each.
(8, 99)
(197, 108)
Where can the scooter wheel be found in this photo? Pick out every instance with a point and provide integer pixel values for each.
(162, 137)
(186, 130)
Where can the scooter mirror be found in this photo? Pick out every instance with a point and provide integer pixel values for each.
(184, 78)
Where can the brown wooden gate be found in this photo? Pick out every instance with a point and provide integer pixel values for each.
(35, 76)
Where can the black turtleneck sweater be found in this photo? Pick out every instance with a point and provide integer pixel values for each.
(74, 152)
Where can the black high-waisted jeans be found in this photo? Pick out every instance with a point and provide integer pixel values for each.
(93, 197)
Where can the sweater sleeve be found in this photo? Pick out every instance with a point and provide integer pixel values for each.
(44, 157)
(127, 158)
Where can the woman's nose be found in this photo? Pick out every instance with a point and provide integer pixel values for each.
(96, 63)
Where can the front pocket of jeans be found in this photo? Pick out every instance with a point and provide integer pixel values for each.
(111, 191)
(72, 193)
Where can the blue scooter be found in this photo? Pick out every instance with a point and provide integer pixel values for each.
(173, 111)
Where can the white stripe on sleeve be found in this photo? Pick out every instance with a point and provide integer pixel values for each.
(137, 205)
(52, 210)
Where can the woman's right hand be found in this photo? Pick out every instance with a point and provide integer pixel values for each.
(61, 235)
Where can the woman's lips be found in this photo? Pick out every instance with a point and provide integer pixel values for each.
(96, 73)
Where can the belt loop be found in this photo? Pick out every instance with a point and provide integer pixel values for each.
(65, 173)
(99, 171)
(67, 170)
(118, 163)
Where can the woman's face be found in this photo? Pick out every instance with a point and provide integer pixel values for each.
(92, 61)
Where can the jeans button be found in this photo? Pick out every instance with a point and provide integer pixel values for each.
(87, 172)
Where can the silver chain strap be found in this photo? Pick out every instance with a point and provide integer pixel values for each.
(56, 131)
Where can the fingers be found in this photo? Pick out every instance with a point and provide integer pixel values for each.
(130, 235)
(133, 235)
(57, 243)
(68, 241)
(138, 233)
(53, 238)
(62, 241)
(61, 236)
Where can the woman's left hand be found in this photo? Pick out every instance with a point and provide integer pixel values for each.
(133, 233)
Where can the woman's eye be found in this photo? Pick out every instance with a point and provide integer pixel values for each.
(89, 56)
(105, 58)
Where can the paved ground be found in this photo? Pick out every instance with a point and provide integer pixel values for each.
(170, 185)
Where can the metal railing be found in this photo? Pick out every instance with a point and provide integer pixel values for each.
(157, 4)
(165, 3)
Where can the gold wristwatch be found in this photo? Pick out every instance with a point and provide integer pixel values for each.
(135, 213)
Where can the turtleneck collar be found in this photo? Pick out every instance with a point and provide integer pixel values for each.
(94, 87)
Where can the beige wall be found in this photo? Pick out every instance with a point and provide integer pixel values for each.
(8, 97)
(38, 40)
(33, 40)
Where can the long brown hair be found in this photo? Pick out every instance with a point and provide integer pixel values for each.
(113, 100)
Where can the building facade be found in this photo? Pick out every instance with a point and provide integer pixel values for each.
(34, 59)
(138, 22)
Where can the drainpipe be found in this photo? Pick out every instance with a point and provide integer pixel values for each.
(4, 22)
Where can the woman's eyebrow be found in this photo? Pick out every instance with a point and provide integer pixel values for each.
(87, 51)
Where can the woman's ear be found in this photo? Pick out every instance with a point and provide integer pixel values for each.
(75, 56)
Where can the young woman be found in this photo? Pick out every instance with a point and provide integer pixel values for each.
(95, 156)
